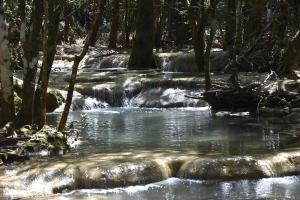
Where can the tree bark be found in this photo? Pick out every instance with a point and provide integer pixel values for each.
(253, 14)
(197, 22)
(114, 24)
(292, 54)
(53, 9)
(142, 52)
(213, 28)
(7, 109)
(159, 23)
(100, 6)
(77, 60)
(126, 24)
(230, 23)
(30, 60)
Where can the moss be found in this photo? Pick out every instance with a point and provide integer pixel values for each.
(46, 139)
(54, 100)
(18, 102)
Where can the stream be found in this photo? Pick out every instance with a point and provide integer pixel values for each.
(139, 153)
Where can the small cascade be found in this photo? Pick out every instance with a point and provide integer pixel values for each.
(62, 65)
(113, 170)
(162, 97)
(107, 63)
(80, 102)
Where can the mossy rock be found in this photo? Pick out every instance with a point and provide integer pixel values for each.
(54, 99)
(46, 139)
(18, 87)
(18, 102)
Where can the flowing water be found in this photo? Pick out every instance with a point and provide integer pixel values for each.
(111, 137)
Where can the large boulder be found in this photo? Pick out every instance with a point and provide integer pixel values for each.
(54, 99)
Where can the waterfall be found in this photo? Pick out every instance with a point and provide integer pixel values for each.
(80, 102)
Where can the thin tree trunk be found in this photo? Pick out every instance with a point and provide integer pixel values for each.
(292, 54)
(239, 28)
(252, 12)
(67, 20)
(142, 52)
(159, 23)
(77, 60)
(230, 32)
(100, 6)
(126, 24)
(213, 28)
(114, 24)
(7, 109)
(53, 9)
(197, 22)
(30, 59)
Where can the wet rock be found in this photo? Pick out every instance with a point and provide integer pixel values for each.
(165, 98)
(294, 116)
(46, 139)
(122, 175)
(230, 114)
(18, 102)
(273, 112)
(295, 103)
(221, 168)
(53, 99)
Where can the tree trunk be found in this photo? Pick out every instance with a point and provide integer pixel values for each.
(292, 54)
(126, 24)
(7, 109)
(281, 22)
(67, 20)
(100, 6)
(77, 60)
(253, 14)
(30, 59)
(114, 24)
(142, 52)
(197, 22)
(230, 23)
(213, 28)
(159, 23)
(53, 9)
(239, 28)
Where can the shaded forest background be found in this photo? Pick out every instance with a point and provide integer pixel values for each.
(259, 35)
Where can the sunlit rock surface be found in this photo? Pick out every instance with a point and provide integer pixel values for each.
(112, 170)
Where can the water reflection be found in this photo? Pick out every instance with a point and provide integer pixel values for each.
(114, 130)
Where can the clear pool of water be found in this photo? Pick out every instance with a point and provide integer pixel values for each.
(121, 129)
(116, 130)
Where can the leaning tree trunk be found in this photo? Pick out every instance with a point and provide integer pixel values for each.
(7, 109)
(114, 24)
(142, 52)
(292, 54)
(53, 9)
(30, 60)
(77, 60)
